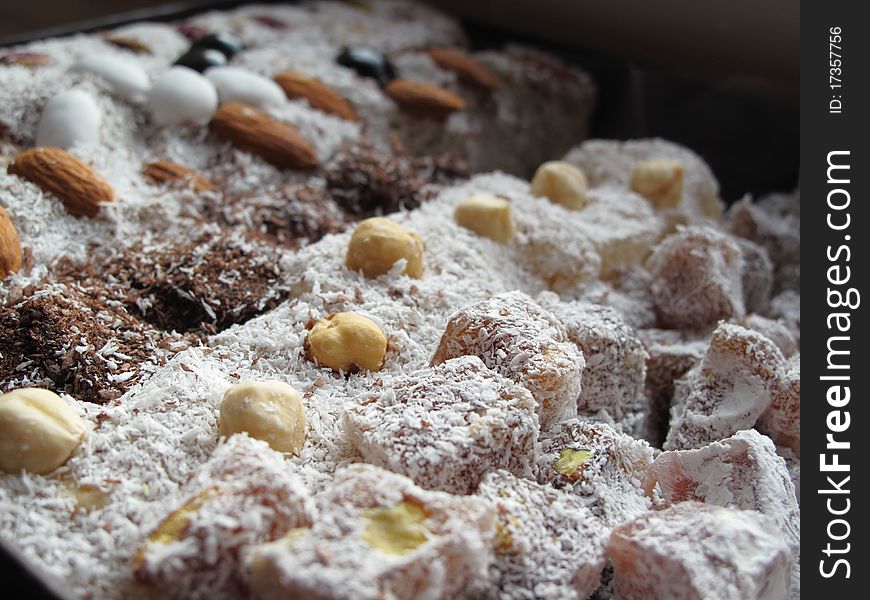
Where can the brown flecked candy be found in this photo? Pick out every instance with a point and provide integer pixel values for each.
(615, 358)
(601, 466)
(774, 329)
(782, 420)
(547, 544)
(671, 355)
(379, 536)
(447, 426)
(727, 391)
(756, 277)
(743, 472)
(244, 495)
(523, 342)
(693, 550)
(696, 278)
(773, 223)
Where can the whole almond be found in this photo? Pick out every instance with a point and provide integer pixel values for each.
(318, 94)
(10, 246)
(128, 43)
(81, 189)
(256, 132)
(163, 171)
(469, 71)
(424, 99)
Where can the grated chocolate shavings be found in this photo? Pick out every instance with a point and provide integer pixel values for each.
(201, 286)
(66, 338)
(366, 182)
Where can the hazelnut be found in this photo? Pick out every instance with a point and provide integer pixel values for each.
(659, 181)
(397, 530)
(376, 245)
(562, 183)
(38, 431)
(267, 410)
(488, 216)
(347, 342)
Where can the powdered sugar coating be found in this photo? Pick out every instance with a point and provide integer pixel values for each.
(743, 472)
(548, 544)
(521, 341)
(334, 560)
(782, 420)
(610, 481)
(696, 278)
(447, 425)
(727, 391)
(689, 550)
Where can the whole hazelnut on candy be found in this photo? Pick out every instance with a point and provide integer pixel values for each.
(347, 342)
(562, 183)
(377, 244)
(38, 431)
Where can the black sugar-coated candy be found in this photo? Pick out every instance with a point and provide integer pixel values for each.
(200, 59)
(228, 44)
(368, 62)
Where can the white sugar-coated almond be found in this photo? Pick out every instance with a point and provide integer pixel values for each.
(38, 431)
(71, 118)
(240, 85)
(125, 78)
(182, 96)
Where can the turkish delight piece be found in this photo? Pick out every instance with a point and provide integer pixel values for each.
(379, 536)
(447, 426)
(615, 358)
(244, 495)
(672, 354)
(525, 343)
(692, 551)
(604, 468)
(786, 307)
(757, 276)
(697, 278)
(774, 223)
(547, 544)
(774, 329)
(609, 162)
(727, 391)
(743, 471)
(782, 420)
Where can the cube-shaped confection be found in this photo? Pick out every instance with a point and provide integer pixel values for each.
(742, 471)
(245, 494)
(757, 276)
(671, 355)
(615, 358)
(603, 467)
(447, 426)
(727, 391)
(611, 162)
(548, 544)
(782, 419)
(379, 536)
(525, 343)
(697, 278)
(692, 551)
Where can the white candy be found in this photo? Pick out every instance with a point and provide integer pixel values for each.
(68, 119)
(240, 85)
(180, 96)
(126, 79)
